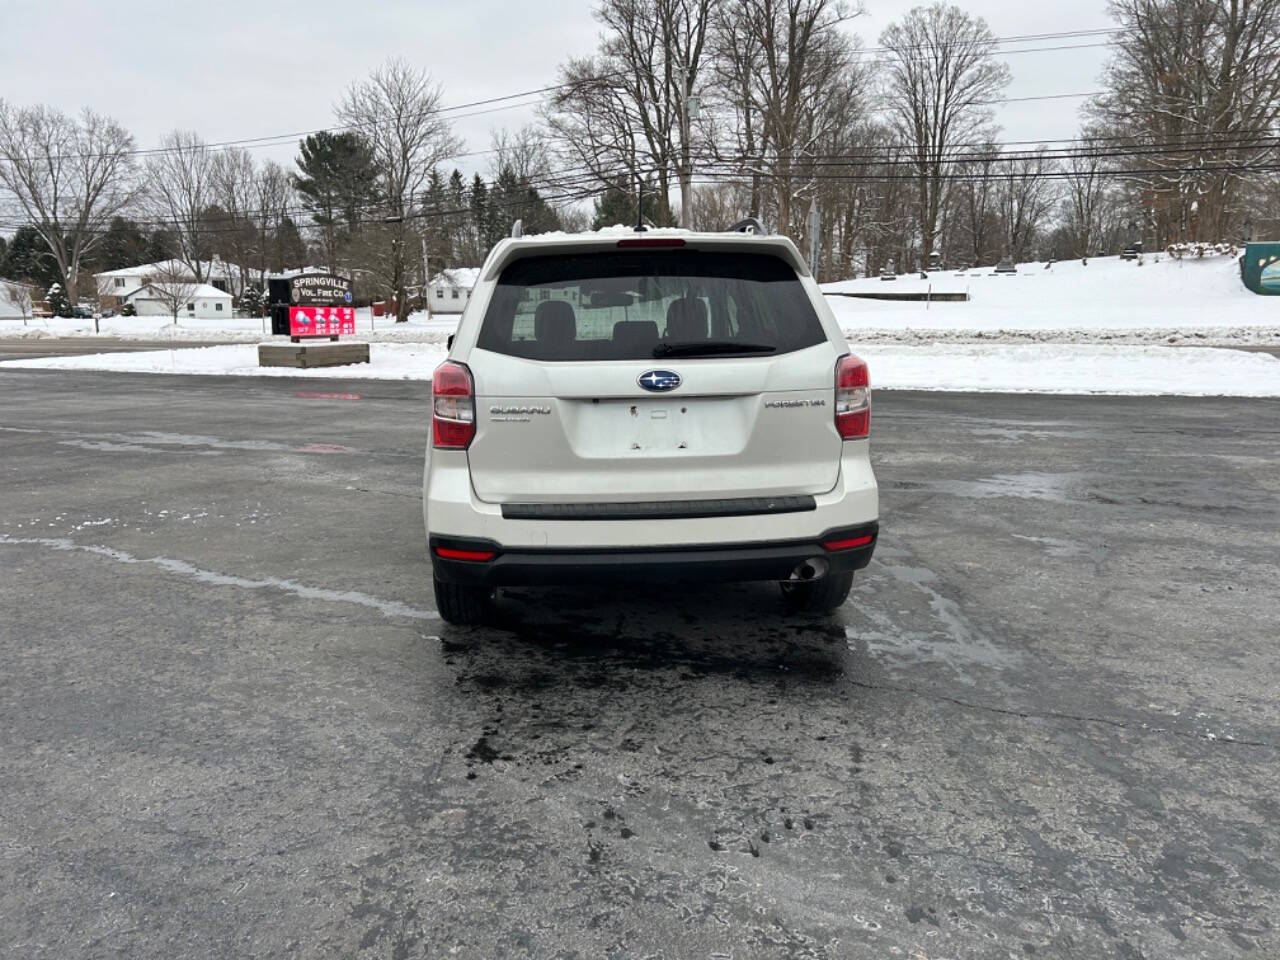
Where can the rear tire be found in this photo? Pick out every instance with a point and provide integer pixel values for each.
(817, 597)
(462, 605)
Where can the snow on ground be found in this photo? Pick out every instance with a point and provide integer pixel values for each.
(419, 327)
(1110, 299)
(1073, 368)
(387, 361)
(1004, 368)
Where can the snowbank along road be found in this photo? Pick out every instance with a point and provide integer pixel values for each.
(1044, 724)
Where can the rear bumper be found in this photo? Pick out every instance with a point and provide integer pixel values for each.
(768, 560)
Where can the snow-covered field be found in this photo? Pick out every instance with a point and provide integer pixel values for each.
(1006, 368)
(1110, 300)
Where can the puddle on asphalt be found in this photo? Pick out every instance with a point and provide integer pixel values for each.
(896, 640)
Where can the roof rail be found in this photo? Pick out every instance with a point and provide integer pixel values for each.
(748, 225)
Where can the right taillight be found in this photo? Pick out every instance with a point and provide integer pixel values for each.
(453, 417)
(853, 398)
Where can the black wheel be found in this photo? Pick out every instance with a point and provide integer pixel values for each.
(460, 604)
(820, 596)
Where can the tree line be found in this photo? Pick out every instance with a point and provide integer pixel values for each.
(711, 110)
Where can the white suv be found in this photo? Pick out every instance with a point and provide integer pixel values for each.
(638, 406)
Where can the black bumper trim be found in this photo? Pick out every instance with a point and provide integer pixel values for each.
(659, 509)
(768, 560)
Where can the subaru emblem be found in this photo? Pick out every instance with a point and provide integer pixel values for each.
(659, 381)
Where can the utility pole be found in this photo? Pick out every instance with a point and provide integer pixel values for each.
(815, 224)
(426, 277)
(690, 109)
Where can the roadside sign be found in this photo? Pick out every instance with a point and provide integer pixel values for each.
(321, 321)
(319, 289)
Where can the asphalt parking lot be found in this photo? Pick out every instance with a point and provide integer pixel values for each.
(1046, 723)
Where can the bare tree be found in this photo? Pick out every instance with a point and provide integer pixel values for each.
(1027, 194)
(975, 196)
(18, 296)
(791, 68)
(1086, 186)
(1194, 93)
(273, 196)
(940, 78)
(173, 286)
(525, 152)
(397, 109)
(179, 191)
(622, 112)
(69, 176)
(234, 181)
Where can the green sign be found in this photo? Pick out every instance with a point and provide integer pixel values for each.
(1262, 268)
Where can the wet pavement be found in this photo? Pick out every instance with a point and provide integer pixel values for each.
(1045, 724)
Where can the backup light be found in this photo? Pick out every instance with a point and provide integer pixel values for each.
(453, 414)
(853, 398)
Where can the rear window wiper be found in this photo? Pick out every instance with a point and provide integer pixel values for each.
(709, 347)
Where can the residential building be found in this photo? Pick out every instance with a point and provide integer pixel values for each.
(451, 289)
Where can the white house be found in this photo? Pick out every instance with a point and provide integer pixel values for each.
(17, 300)
(113, 285)
(204, 302)
(451, 289)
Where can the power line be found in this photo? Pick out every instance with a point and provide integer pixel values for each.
(278, 139)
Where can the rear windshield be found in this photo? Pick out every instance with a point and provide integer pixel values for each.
(647, 304)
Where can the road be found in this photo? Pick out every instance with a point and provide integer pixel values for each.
(1044, 725)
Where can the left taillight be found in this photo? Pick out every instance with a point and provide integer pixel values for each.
(853, 398)
(453, 417)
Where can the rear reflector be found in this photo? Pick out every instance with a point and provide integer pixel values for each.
(851, 544)
(475, 556)
(650, 242)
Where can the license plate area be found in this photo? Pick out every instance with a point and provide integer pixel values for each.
(671, 427)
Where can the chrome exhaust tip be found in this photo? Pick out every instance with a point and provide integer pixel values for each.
(810, 570)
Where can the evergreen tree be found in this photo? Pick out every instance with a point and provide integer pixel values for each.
(617, 205)
(336, 183)
(288, 248)
(123, 245)
(27, 258)
(251, 300)
(482, 219)
(59, 305)
(435, 222)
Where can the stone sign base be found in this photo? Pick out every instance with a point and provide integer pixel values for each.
(315, 354)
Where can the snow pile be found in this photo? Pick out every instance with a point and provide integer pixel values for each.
(387, 361)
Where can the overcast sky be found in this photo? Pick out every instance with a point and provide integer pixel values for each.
(237, 69)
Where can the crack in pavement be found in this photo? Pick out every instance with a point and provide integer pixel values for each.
(1056, 715)
(388, 608)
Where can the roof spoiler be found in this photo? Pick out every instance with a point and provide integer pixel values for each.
(748, 225)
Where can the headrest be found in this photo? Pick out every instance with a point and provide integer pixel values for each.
(635, 336)
(687, 319)
(554, 322)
